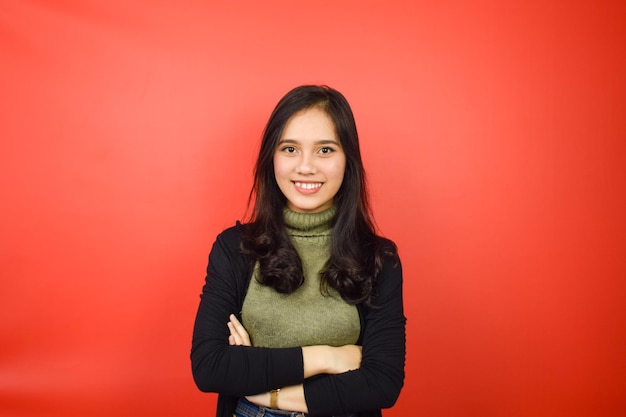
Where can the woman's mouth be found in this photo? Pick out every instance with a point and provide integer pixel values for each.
(307, 187)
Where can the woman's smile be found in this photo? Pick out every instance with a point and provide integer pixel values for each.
(307, 187)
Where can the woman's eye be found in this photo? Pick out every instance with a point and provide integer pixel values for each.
(326, 150)
(289, 149)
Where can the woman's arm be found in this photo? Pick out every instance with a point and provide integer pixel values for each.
(217, 366)
(234, 369)
(320, 359)
(378, 381)
(317, 360)
(289, 398)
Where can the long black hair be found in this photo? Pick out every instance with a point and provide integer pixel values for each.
(356, 251)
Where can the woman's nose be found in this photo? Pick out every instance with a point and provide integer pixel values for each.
(306, 165)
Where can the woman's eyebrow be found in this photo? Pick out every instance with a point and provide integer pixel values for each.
(318, 142)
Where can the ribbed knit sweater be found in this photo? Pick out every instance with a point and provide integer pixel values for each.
(308, 316)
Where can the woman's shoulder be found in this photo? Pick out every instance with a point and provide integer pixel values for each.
(231, 236)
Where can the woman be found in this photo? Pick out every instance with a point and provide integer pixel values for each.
(302, 306)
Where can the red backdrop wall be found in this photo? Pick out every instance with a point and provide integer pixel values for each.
(493, 133)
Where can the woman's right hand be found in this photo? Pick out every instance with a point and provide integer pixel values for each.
(238, 334)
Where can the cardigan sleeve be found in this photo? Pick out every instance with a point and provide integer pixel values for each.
(377, 383)
(217, 366)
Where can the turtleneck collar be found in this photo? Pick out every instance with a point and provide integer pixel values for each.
(309, 224)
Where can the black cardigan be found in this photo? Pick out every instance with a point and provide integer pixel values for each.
(236, 371)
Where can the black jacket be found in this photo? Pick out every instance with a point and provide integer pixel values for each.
(235, 371)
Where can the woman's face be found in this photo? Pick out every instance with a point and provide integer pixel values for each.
(309, 162)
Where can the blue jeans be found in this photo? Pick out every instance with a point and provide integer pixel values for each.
(247, 409)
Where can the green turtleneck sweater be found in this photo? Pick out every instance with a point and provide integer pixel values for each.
(307, 316)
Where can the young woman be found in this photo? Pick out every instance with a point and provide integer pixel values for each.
(302, 309)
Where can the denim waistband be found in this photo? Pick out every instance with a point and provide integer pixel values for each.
(247, 409)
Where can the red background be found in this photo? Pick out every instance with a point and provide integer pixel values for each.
(493, 133)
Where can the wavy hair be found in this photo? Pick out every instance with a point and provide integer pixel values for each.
(356, 251)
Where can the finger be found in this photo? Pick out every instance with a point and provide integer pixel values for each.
(241, 331)
(238, 331)
(234, 335)
(234, 319)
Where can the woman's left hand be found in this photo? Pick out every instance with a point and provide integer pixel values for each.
(238, 334)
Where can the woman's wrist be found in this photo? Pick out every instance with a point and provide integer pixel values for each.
(274, 399)
(286, 398)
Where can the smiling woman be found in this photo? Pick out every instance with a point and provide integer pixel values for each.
(309, 161)
(302, 308)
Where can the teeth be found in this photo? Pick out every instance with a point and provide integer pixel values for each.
(308, 186)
